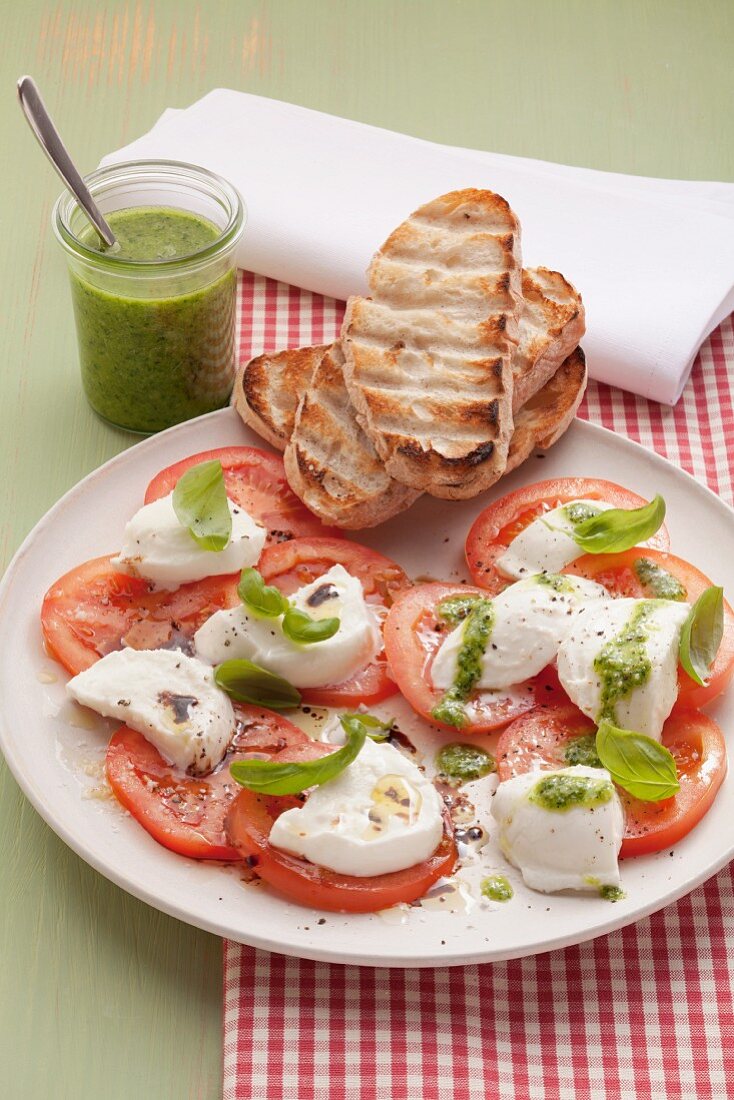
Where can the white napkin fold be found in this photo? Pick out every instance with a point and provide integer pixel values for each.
(653, 259)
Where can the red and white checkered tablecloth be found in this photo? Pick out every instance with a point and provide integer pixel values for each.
(645, 1012)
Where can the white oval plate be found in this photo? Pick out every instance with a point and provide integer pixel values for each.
(55, 751)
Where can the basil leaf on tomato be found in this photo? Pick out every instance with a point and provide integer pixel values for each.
(702, 633)
(201, 505)
(642, 766)
(270, 777)
(617, 529)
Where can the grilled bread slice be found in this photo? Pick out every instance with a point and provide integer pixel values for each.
(552, 323)
(331, 464)
(429, 356)
(545, 417)
(267, 391)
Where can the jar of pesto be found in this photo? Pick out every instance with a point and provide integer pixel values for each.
(155, 315)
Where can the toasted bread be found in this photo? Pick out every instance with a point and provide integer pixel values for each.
(428, 357)
(545, 417)
(267, 391)
(331, 464)
(552, 323)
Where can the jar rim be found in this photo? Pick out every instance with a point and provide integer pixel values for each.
(225, 192)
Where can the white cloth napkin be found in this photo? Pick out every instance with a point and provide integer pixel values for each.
(653, 259)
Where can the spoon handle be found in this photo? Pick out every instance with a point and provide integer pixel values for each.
(50, 141)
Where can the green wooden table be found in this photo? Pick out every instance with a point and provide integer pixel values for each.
(101, 996)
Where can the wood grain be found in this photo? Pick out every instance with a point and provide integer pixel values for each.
(99, 994)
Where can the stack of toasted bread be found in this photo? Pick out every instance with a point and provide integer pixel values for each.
(458, 365)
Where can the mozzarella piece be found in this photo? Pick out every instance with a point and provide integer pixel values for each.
(236, 633)
(571, 849)
(531, 619)
(157, 547)
(379, 815)
(648, 705)
(168, 697)
(546, 545)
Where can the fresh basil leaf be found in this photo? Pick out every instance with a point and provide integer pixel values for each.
(200, 503)
(642, 766)
(270, 777)
(377, 730)
(302, 629)
(248, 683)
(702, 633)
(619, 529)
(264, 601)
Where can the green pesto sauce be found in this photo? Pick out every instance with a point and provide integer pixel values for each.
(460, 763)
(608, 893)
(623, 663)
(496, 887)
(565, 792)
(582, 750)
(577, 512)
(454, 609)
(658, 582)
(555, 581)
(476, 632)
(148, 363)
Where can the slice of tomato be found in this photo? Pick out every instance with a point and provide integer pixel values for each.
(93, 610)
(185, 814)
(248, 826)
(542, 738)
(255, 480)
(494, 529)
(620, 575)
(293, 564)
(413, 635)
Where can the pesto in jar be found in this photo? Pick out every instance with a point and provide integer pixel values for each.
(150, 362)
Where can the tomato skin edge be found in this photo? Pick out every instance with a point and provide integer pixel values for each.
(317, 887)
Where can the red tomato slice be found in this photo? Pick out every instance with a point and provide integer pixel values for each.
(185, 814)
(541, 738)
(248, 826)
(620, 575)
(494, 529)
(93, 609)
(293, 564)
(255, 480)
(413, 635)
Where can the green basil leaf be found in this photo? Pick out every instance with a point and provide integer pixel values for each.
(264, 601)
(702, 633)
(200, 503)
(377, 730)
(302, 629)
(619, 529)
(248, 683)
(270, 777)
(642, 766)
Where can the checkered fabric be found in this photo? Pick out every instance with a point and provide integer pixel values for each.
(646, 1012)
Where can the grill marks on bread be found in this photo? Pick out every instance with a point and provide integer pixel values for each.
(428, 357)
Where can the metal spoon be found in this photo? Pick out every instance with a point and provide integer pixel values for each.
(50, 141)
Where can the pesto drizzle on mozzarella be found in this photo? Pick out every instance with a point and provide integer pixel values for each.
(476, 634)
(623, 664)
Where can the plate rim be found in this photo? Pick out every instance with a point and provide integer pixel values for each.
(339, 956)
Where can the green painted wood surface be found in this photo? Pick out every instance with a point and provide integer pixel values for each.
(100, 996)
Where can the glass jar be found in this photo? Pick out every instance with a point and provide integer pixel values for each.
(156, 336)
